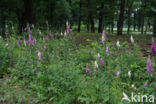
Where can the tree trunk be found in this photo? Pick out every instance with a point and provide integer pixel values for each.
(79, 22)
(154, 27)
(28, 5)
(100, 18)
(129, 24)
(3, 21)
(112, 26)
(91, 20)
(121, 18)
(21, 20)
(142, 26)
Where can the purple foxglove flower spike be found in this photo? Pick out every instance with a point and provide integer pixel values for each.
(89, 52)
(46, 38)
(6, 32)
(107, 51)
(19, 43)
(7, 45)
(102, 62)
(145, 85)
(68, 30)
(25, 43)
(87, 70)
(130, 50)
(117, 74)
(153, 48)
(103, 37)
(155, 86)
(51, 36)
(46, 22)
(33, 26)
(149, 66)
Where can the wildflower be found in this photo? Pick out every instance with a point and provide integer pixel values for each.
(107, 51)
(102, 63)
(118, 44)
(6, 32)
(39, 31)
(89, 52)
(130, 50)
(129, 73)
(46, 22)
(153, 47)
(155, 86)
(46, 38)
(61, 34)
(25, 43)
(98, 55)
(6, 26)
(40, 57)
(103, 36)
(6, 45)
(51, 36)
(96, 65)
(30, 32)
(132, 40)
(19, 42)
(65, 34)
(117, 74)
(145, 85)
(33, 26)
(149, 66)
(88, 70)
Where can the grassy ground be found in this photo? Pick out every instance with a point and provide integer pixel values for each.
(144, 41)
(17, 95)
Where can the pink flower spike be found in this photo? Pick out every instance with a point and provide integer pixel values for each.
(117, 74)
(88, 70)
(102, 62)
(145, 85)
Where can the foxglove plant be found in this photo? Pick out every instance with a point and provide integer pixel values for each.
(149, 66)
(129, 74)
(155, 86)
(46, 38)
(65, 34)
(153, 47)
(117, 74)
(102, 62)
(118, 44)
(96, 65)
(51, 36)
(19, 43)
(25, 43)
(107, 51)
(68, 30)
(103, 37)
(88, 70)
(145, 85)
(132, 40)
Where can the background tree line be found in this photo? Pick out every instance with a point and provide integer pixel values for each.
(96, 15)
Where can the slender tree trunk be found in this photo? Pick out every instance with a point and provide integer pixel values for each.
(51, 12)
(100, 18)
(21, 20)
(3, 21)
(79, 22)
(112, 26)
(28, 5)
(129, 24)
(154, 27)
(88, 24)
(121, 17)
(91, 20)
(142, 26)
